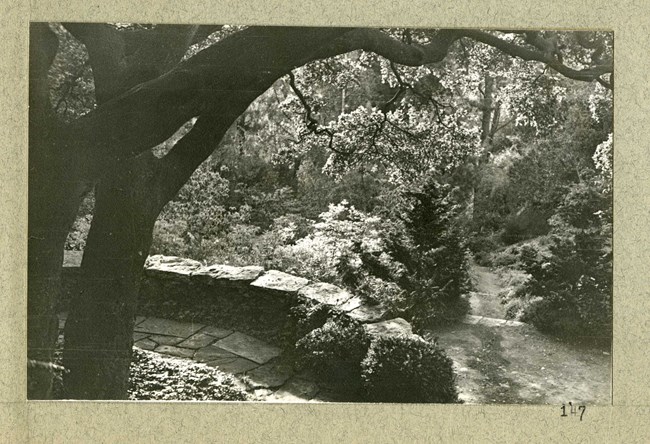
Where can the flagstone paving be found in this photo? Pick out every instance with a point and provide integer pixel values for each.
(168, 327)
(249, 347)
(257, 364)
(230, 351)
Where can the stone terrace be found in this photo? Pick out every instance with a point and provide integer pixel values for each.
(261, 366)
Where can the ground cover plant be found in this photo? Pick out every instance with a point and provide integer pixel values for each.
(156, 377)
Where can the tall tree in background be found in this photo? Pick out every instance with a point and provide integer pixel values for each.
(146, 87)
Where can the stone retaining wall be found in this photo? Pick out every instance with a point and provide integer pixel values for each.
(185, 289)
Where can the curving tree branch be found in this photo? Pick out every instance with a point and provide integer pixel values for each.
(377, 41)
(312, 124)
(175, 168)
(151, 111)
(203, 32)
(106, 52)
(122, 59)
(546, 50)
(549, 58)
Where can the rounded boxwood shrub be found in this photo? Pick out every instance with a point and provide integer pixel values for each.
(334, 351)
(408, 369)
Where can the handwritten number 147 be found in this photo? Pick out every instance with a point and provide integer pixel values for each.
(573, 410)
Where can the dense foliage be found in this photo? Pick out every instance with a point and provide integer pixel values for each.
(304, 318)
(408, 253)
(439, 262)
(569, 291)
(334, 351)
(408, 369)
(388, 194)
(379, 369)
(155, 377)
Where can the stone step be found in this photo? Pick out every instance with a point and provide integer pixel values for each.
(491, 322)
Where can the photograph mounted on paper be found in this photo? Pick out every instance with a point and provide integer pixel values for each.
(304, 214)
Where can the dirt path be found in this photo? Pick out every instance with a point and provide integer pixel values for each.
(513, 363)
(485, 300)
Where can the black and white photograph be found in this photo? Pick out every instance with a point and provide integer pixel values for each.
(288, 214)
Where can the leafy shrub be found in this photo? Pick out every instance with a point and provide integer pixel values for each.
(154, 377)
(524, 225)
(514, 257)
(408, 369)
(483, 249)
(347, 247)
(429, 305)
(170, 237)
(292, 227)
(303, 318)
(266, 207)
(508, 256)
(334, 351)
(239, 244)
(570, 289)
(570, 294)
(379, 291)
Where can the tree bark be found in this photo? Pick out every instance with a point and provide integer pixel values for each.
(54, 196)
(99, 329)
(152, 111)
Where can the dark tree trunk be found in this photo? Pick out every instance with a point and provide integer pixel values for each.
(45, 255)
(54, 196)
(99, 329)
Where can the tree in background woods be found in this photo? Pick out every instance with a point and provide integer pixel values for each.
(149, 82)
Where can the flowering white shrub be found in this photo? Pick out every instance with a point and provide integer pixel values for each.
(346, 247)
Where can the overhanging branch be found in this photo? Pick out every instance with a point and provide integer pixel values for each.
(380, 43)
(587, 75)
(312, 124)
(150, 112)
(204, 31)
(122, 59)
